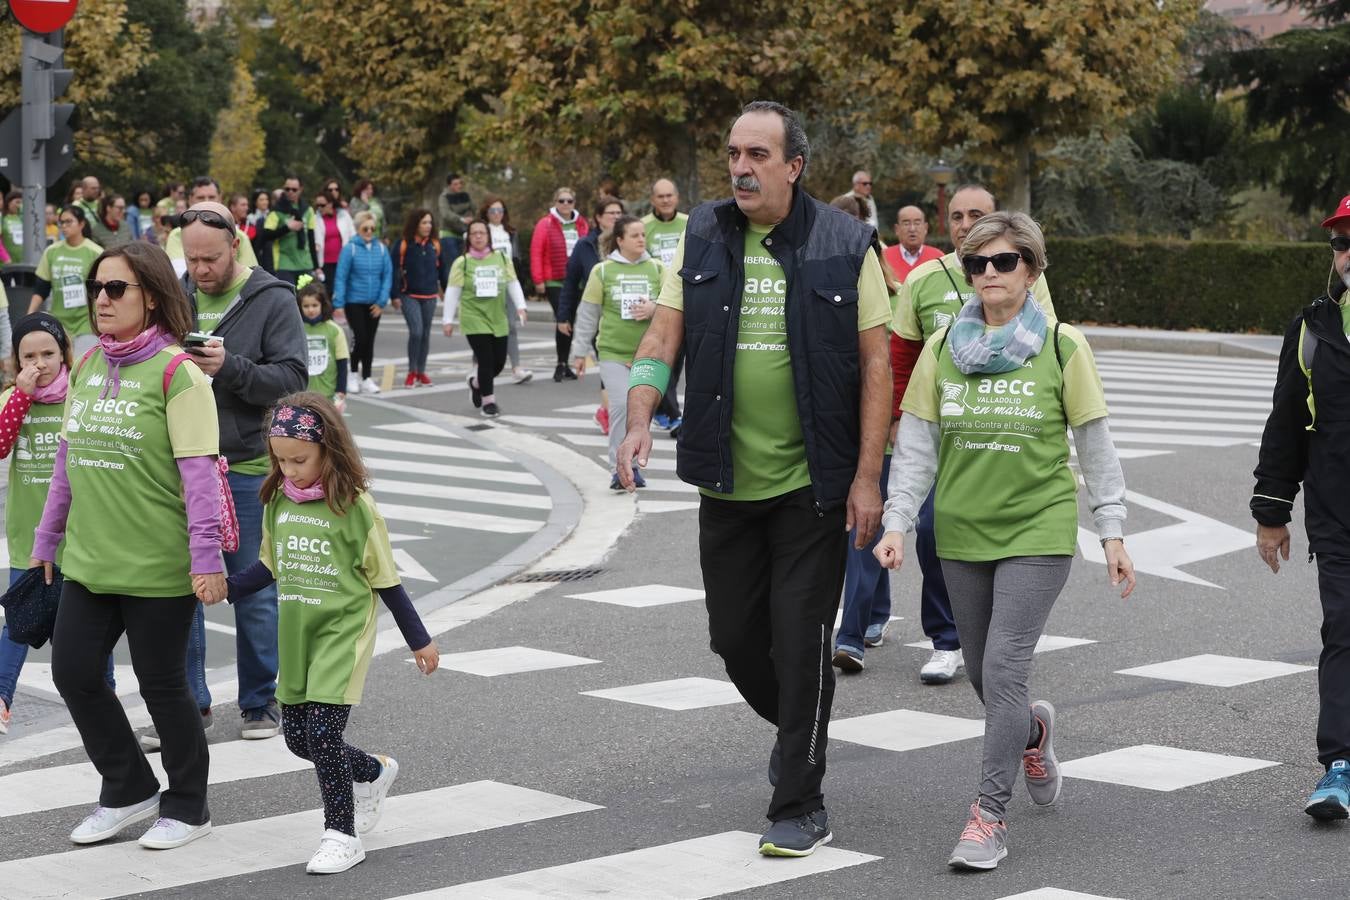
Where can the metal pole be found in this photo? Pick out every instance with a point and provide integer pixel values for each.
(34, 155)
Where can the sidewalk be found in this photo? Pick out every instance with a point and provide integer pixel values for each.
(1207, 343)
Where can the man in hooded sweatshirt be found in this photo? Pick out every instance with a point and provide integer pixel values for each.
(257, 355)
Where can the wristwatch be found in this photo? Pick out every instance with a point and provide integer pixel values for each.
(1104, 540)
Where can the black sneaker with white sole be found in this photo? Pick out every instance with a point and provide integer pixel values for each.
(798, 836)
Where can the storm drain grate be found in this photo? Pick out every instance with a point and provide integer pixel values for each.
(556, 575)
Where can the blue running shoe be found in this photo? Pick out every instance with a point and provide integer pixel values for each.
(1331, 800)
(662, 421)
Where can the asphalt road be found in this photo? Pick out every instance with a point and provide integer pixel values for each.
(505, 775)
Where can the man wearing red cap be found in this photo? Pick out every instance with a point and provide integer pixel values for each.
(1307, 439)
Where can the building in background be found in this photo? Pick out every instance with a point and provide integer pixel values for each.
(1262, 18)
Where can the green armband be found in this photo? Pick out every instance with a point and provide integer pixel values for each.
(651, 372)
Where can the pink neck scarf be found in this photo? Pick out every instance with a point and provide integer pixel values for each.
(302, 495)
(54, 392)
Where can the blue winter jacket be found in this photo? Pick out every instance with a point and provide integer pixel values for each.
(364, 274)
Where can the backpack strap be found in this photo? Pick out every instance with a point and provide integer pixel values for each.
(1307, 348)
(172, 367)
(948, 272)
(1058, 356)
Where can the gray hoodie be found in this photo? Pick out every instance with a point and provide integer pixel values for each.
(266, 358)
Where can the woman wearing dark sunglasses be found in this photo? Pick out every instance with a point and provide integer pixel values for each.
(136, 495)
(554, 238)
(1306, 441)
(61, 273)
(987, 411)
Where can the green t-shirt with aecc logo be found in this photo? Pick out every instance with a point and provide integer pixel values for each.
(1004, 486)
(11, 235)
(328, 567)
(482, 302)
(935, 291)
(66, 268)
(663, 238)
(126, 532)
(768, 452)
(30, 475)
(618, 287)
(327, 343)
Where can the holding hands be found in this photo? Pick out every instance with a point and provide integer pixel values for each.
(210, 588)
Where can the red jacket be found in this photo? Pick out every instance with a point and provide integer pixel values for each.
(548, 248)
(902, 268)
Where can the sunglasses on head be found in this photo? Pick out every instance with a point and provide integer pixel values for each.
(1340, 242)
(206, 217)
(116, 289)
(1003, 263)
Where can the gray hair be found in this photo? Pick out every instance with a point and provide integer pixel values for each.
(1019, 228)
(795, 143)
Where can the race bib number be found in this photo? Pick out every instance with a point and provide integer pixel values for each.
(570, 236)
(16, 234)
(629, 301)
(667, 255)
(485, 282)
(318, 355)
(72, 292)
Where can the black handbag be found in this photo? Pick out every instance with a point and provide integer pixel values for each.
(30, 606)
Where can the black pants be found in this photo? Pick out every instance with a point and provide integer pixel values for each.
(291, 276)
(562, 342)
(313, 731)
(88, 626)
(364, 326)
(1333, 669)
(490, 353)
(773, 571)
(329, 277)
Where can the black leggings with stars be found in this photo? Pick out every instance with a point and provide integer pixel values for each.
(314, 732)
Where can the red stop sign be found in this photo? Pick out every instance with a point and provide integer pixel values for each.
(43, 16)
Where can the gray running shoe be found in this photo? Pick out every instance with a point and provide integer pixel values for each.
(848, 659)
(1039, 763)
(799, 836)
(984, 841)
(261, 723)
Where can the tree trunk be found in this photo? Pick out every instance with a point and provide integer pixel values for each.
(1020, 194)
(692, 186)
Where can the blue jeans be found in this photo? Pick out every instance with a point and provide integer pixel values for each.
(255, 616)
(867, 586)
(935, 607)
(419, 315)
(13, 654)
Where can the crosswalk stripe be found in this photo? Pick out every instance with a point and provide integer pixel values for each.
(1185, 440)
(669, 485)
(417, 448)
(242, 848)
(1130, 396)
(453, 518)
(37, 676)
(1110, 375)
(37, 790)
(1184, 358)
(1186, 371)
(1172, 425)
(471, 473)
(1230, 414)
(685, 870)
(464, 494)
(1170, 386)
(423, 428)
(543, 421)
(661, 443)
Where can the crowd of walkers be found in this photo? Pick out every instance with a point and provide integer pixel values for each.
(839, 393)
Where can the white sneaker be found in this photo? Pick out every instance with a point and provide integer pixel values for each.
(106, 821)
(337, 852)
(353, 385)
(370, 387)
(369, 796)
(941, 667)
(166, 834)
(521, 376)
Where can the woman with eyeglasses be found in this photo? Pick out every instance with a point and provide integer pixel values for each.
(498, 219)
(555, 237)
(109, 227)
(136, 495)
(361, 285)
(61, 274)
(1307, 442)
(333, 229)
(987, 411)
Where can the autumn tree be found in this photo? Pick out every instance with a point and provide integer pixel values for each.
(1005, 80)
(237, 147)
(98, 25)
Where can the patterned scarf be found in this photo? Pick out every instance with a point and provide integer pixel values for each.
(976, 349)
(302, 495)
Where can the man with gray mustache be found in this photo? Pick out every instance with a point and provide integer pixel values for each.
(779, 303)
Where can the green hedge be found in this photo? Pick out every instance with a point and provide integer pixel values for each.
(1229, 286)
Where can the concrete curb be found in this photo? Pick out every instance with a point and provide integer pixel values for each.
(1200, 343)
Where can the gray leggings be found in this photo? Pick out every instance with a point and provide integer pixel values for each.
(1001, 608)
(512, 336)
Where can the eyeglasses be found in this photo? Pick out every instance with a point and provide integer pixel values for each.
(366, 229)
(497, 209)
(292, 190)
(863, 183)
(206, 217)
(1003, 262)
(567, 200)
(320, 205)
(66, 223)
(1340, 242)
(116, 289)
